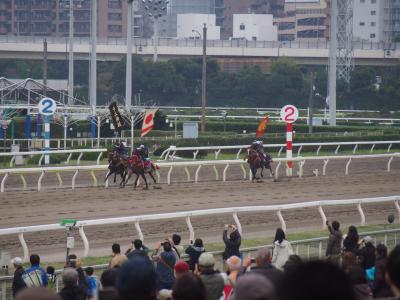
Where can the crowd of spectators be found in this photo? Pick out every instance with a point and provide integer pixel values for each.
(354, 269)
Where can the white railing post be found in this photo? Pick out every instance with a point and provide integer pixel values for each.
(99, 157)
(40, 160)
(139, 231)
(355, 148)
(217, 153)
(224, 172)
(277, 170)
(397, 205)
(238, 153)
(347, 166)
(299, 151)
(169, 175)
(78, 162)
(190, 227)
(319, 149)
(68, 158)
(280, 217)
(187, 173)
(280, 151)
(12, 161)
(196, 176)
(301, 165)
(3, 182)
(39, 184)
(337, 149)
(24, 246)
(74, 178)
(195, 154)
(389, 163)
(323, 216)
(216, 172)
(85, 241)
(326, 161)
(389, 147)
(244, 171)
(372, 148)
(237, 222)
(60, 181)
(320, 250)
(361, 212)
(94, 178)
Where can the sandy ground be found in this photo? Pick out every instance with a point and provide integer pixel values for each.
(29, 207)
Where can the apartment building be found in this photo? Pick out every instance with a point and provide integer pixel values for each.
(51, 18)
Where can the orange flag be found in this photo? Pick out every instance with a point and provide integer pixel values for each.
(262, 126)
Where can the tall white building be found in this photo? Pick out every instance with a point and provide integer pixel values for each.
(254, 27)
(369, 20)
(191, 26)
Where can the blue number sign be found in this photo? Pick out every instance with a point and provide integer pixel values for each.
(47, 106)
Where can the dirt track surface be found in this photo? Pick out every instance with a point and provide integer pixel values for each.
(19, 208)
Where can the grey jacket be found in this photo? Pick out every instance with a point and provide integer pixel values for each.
(334, 246)
(214, 284)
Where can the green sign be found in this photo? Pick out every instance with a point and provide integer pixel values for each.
(67, 222)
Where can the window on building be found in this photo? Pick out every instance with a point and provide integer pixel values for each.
(372, 35)
(254, 38)
(115, 16)
(311, 22)
(114, 4)
(362, 23)
(285, 25)
(114, 28)
(373, 12)
(373, 24)
(242, 27)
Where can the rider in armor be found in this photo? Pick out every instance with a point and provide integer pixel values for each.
(121, 150)
(259, 147)
(143, 152)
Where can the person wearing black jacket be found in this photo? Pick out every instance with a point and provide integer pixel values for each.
(18, 283)
(194, 251)
(75, 263)
(350, 243)
(380, 288)
(232, 240)
(71, 290)
(334, 246)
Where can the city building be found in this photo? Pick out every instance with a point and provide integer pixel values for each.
(391, 22)
(303, 20)
(368, 20)
(225, 9)
(51, 18)
(191, 26)
(175, 7)
(254, 27)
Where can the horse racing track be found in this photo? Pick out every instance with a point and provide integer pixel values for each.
(29, 207)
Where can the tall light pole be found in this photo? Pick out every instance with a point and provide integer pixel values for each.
(93, 71)
(203, 81)
(332, 63)
(71, 54)
(128, 78)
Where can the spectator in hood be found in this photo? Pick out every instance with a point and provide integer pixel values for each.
(18, 283)
(282, 249)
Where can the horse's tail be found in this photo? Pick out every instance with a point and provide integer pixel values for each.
(155, 167)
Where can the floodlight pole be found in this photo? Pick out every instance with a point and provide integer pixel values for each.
(93, 68)
(155, 54)
(203, 81)
(71, 54)
(128, 77)
(332, 63)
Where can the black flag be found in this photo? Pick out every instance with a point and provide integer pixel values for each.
(116, 117)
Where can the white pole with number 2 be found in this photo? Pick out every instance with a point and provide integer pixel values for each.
(47, 107)
(289, 114)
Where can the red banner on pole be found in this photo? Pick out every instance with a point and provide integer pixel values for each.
(148, 121)
(262, 127)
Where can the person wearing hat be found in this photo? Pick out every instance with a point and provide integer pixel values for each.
(181, 267)
(212, 279)
(18, 284)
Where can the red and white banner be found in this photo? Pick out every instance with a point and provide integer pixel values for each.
(148, 121)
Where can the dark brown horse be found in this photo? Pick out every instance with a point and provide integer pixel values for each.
(138, 167)
(116, 166)
(256, 161)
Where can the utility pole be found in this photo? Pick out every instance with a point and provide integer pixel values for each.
(44, 67)
(332, 63)
(311, 103)
(128, 78)
(93, 58)
(203, 81)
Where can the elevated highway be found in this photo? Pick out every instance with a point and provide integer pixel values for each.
(375, 54)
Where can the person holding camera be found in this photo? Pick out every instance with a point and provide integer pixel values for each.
(166, 261)
(334, 246)
(194, 251)
(232, 241)
(137, 248)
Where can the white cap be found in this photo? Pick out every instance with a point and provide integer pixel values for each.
(17, 261)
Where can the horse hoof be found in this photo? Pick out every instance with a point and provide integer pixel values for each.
(157, 187)
(145, 188)
(260, 181)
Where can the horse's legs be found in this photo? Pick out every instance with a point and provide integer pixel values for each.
(262, 169)
(136, 181)
(254, 172)
(109, 173)
(152, 176)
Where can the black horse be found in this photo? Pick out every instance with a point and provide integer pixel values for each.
(257, 162)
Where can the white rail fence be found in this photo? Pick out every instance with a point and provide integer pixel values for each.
(170, 166)
(187, 215)
(172, 150)
(71, 152)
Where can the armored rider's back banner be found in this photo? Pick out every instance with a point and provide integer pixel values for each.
(116, 117)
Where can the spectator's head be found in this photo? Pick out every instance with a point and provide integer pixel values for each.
(167, 247)
(263, 257)
(233, 232)
(39, 293)
(176, 238)
(381, 251)
(70, 277)
(349, 259)
(116, 249)
(206, 262)
(335, 225)
(189, 286)
(109, 277)
(356, 275)
(198, 243)
(279, 235)
(393, 271)
(181, 267)
(138, 244)
(71, 263)
(164, 295)
(234, 263)
(294, 261)
(89, 271)
(137, 279)
(50, 270)
(352, 234)
(306, 282)
(34, 259)
(254, 287)
(17, 262)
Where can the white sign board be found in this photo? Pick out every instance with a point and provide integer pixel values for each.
(289, 113)
(47, 106)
